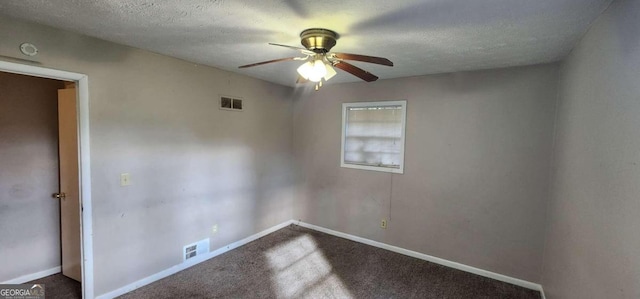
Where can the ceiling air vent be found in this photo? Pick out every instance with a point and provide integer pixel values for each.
(192, 250)
(230, 103)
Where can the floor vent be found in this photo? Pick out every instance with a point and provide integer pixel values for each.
(230, 103)
(195, 249)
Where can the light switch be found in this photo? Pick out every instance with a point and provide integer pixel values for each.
(125, 179)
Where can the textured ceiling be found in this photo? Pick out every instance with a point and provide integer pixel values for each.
(419, 36)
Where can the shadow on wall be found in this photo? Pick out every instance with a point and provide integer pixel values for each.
(225, 185)
(628, 30)
(193, 167)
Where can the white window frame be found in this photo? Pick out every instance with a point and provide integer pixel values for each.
(345, 106)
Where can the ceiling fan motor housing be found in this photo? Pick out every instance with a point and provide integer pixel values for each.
(318, 40)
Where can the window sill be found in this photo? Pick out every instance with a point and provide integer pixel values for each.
(373, 168)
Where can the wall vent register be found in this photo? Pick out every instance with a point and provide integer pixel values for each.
(195, 249)
(230, 103)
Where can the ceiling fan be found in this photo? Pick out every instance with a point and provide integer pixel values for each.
(319, 63)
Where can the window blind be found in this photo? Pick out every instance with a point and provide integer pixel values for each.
(373, 136)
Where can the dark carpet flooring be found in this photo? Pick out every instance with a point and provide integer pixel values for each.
(59, 286)
(295, 262)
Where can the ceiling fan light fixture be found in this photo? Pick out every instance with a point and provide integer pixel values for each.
(319, 70)
(320, 63)
(313, 70)
(330, 72)
(305, 69)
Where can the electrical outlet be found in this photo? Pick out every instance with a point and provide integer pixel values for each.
(214, 229)
(383, 223)
(125, 179)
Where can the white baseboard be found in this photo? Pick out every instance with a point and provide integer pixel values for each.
(426, 257)
(191, 262)
(33, 276)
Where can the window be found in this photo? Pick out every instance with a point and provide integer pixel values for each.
(373, 135)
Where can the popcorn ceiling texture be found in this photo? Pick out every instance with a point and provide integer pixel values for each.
(420, 37)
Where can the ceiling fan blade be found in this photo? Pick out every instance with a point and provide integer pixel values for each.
(364, 58)
(265, 62)
(303, 50)
(356, 71)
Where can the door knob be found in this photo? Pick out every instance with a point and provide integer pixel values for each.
(59, 195)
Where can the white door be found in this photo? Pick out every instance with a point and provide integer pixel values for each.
(69, 184)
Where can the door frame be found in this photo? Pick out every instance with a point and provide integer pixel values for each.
(84, 158)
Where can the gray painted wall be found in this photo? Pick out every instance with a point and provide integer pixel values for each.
(593, 245)
(192, 165)
(477, 159)
(29, 217)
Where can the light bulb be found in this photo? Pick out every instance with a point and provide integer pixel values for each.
(305, 69)
(317, 71)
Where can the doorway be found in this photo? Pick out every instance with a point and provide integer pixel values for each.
(80, 265)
